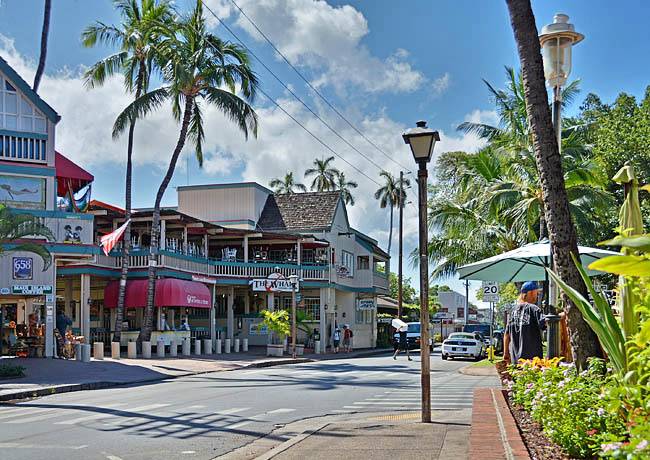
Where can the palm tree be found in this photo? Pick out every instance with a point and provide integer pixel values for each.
(196, 66)
(325, 175)
(45, 32)
(344, 186)
(136, 37)
(389, 195)
(286, 185)
(15, 227)
(562, 235)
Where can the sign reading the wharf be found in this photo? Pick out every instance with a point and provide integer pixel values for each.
(366, 304)
(23, 268)
(194, 300)
(276, 282)
(31, 289)
(204, 279)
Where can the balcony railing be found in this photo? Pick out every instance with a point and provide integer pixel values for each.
(19, 148)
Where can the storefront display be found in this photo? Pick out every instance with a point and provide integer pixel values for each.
(23, 333)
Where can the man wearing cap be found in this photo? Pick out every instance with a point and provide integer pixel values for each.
(523, 335)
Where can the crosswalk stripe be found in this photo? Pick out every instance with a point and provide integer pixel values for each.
(351, 407)
(280, 411)
(23, 413)
(132, 418)
(92, 417)
(52, 414)
(238, 425)
(234, 410)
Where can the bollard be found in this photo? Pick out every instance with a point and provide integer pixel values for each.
(77, 351)
(317, 347)
(186, 347)
(227, 346)
(173, 348)
(160, 348)
(218, 346)
(207, 346)
(98, 350)
(85, 353)
(115, 350)
(244, 345)
(146, 350)
(197, 346)
(132, 350)
(236, 347)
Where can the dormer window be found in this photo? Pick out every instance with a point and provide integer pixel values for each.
(17, 112)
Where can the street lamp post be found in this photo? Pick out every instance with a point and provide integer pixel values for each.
(293, 279)
(556, 40)
(422, 140)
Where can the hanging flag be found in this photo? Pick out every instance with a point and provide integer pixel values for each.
(108, 241)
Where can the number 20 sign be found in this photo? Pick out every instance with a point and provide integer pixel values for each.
(490, 291)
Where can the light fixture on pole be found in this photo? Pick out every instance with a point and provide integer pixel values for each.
(293, 279)
(422, 140)
(557, 41)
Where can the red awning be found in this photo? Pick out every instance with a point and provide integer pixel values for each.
(67, 172)
(169, 293)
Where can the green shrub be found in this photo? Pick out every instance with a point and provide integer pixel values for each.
(437, 338)
(11, 370)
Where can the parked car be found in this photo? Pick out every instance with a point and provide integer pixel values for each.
(463, 345)
(482, 338)
(413, 337)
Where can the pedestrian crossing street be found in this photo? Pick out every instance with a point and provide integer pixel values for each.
(159, 419)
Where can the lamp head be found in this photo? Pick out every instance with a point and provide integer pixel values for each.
(421, 139)
(556, 41)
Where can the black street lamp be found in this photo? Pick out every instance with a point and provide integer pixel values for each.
(293, 279)
(422, 140)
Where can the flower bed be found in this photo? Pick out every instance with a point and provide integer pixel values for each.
(583, 412)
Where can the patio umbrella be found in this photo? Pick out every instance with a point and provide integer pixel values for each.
(526, 263)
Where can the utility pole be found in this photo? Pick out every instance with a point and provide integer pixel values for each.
(401, 215)
(466, 301)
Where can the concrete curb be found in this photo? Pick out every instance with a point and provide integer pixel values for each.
(487, 371)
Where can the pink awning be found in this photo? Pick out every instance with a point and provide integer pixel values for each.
(169, 293)
(68, 172)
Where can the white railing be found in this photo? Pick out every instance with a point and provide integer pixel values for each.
(23, 149)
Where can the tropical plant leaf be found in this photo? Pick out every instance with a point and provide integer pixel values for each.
(628, 265)
(638, 242)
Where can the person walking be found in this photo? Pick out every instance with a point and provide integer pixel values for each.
(337, 339)
(403, 344)
(62, 323)
(347, 335)
(523, 335)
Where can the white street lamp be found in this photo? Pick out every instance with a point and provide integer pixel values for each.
(557, 40)
(422, 140)
(293, 279)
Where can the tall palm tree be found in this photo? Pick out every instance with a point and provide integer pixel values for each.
(344, 186)
(388, 195)
(562, 235)
(197, 67)
(136, 37)
(286, 185)
(44, 33)
(325, 175)
(16, 227)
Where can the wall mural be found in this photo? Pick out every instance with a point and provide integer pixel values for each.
(22, 192)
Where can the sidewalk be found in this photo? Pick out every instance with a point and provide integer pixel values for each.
(48, 376)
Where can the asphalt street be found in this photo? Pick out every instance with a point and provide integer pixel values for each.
(207, 415)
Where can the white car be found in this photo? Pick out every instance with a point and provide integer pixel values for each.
(463, 345)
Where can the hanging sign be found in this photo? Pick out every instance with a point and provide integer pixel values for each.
(23, 268)
(204, 279)
(366, 304)
(276, 282)
(31, 289)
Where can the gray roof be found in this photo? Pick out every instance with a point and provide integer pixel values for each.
(311, 211)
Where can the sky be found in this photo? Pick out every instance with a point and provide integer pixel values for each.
(383, 65)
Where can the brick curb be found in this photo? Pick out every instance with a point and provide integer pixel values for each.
(492, 420)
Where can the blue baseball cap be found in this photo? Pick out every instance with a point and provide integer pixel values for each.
(529, 286)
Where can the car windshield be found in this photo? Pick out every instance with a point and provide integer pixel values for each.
(414, 327)
(461, 336)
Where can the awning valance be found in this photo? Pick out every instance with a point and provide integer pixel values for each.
(170, 292)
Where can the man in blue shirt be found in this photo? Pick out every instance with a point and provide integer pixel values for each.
(62, 323)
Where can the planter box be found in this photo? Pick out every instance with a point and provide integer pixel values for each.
(300, 349)
(274, 350)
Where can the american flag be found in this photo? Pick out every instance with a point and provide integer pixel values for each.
(108, 241)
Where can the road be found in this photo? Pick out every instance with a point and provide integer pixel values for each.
(207, 415)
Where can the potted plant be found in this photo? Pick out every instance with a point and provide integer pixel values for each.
(302, 324)
(277, 322)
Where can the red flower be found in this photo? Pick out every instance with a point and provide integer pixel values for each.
(591, 432)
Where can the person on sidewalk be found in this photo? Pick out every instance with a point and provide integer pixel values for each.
(523, 335)
(62, 323)
(347, 335)
(337, 339)
(403, 344)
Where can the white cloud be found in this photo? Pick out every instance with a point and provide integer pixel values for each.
(327, 40)
(440, 85)
(489, 117)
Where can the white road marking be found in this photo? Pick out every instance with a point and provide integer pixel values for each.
(280, 411)
(195, 407)
(113, 457)
(234, 410)
(132, 418)
(25, 413)
(352, 407)
(51, 413)
(238, 425)
(91, 417)
(15, 445)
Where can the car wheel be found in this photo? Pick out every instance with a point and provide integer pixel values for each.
(444, 357)
(431, 348)
(478, 357)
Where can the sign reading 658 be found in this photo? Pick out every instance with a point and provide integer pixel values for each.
(23, 268)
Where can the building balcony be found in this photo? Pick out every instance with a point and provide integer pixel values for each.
(23, 147)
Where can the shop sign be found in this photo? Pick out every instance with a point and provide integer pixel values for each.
(204, 279)
(23, 268)
(258, 329)
(31, 289)
(276, 282)
(4, 291)
(366, 304)
(384, 320)
(194, 300)
(298, 298)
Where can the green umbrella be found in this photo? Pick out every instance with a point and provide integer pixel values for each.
(631, 224)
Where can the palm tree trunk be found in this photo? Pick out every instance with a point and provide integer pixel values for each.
(126, 244)
(562, 236)
(44, 34)
(390, 233)
(147, 324)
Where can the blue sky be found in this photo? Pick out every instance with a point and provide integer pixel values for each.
(382, 63)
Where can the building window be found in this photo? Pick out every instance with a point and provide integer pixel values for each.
(460, 313)
(363, 263)
(347, 261)
(287, 303)
(16, 112)
(307, 256)
(312, 307)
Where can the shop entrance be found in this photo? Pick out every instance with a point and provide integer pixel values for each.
(23, 329)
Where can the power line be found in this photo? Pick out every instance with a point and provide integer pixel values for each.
(316, 90)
